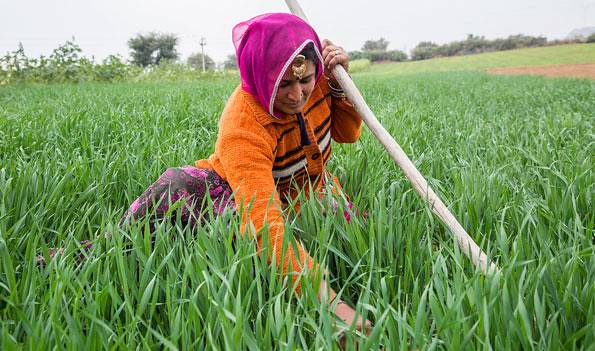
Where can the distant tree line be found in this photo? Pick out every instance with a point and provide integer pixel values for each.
(153, 48)
(153, 56)
(67, 64)
(376, 51)
(474, 45)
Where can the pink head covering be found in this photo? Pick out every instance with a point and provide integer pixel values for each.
(265, 47)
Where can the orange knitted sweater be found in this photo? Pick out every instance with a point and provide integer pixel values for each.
(264, 158)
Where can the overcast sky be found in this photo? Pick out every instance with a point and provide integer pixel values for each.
(103, 27)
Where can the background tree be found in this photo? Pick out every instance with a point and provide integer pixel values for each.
(424, 50)
(231, 62)
(195, 61)
(391, 55)
(376, 51)
(375, 45)
(152, 48)
(166, 47)
(475, 44)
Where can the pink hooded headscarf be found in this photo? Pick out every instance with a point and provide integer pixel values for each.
(265, 47)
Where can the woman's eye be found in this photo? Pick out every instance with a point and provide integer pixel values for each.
(283, 84)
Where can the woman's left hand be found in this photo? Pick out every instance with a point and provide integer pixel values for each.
(333, 55)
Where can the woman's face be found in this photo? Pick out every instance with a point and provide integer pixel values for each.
(293, 93)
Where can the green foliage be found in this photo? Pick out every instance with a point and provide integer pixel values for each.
(590, 38)
(378, 56)
(511, 156)
(179, 72)
(473, 45)
(375, 51)
(375, 45)
(114, 69)
(231, 62)
(424, 50)
(518, 41)
(65, 64)
(152, 48)
(393, 55)
(195, 61)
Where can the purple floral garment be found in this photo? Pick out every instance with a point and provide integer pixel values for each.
(188, 184)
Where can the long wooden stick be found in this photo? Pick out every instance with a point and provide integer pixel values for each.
(465, 242)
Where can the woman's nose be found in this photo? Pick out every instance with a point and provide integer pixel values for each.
(295, 94)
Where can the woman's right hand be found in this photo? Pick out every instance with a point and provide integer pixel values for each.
(344, 311)
(348, 315)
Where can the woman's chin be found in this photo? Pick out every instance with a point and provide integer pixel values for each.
(291, 110)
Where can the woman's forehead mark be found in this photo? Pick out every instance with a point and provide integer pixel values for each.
(310, 70)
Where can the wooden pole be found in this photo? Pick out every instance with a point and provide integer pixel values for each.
(465, 242)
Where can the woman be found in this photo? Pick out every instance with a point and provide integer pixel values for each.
(274, 139)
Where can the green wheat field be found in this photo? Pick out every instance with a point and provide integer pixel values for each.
(511, 156)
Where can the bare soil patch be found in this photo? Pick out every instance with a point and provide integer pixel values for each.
(582, 70)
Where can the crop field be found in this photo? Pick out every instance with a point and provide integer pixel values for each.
(548, 55)
(511, 156)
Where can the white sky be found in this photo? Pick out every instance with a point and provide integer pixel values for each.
(103, 27)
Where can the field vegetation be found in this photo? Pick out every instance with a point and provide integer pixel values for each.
(68, 64)
(512, 156)
(474, 44)
(548, 55)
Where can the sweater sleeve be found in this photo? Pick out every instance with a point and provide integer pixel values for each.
(246, 153)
